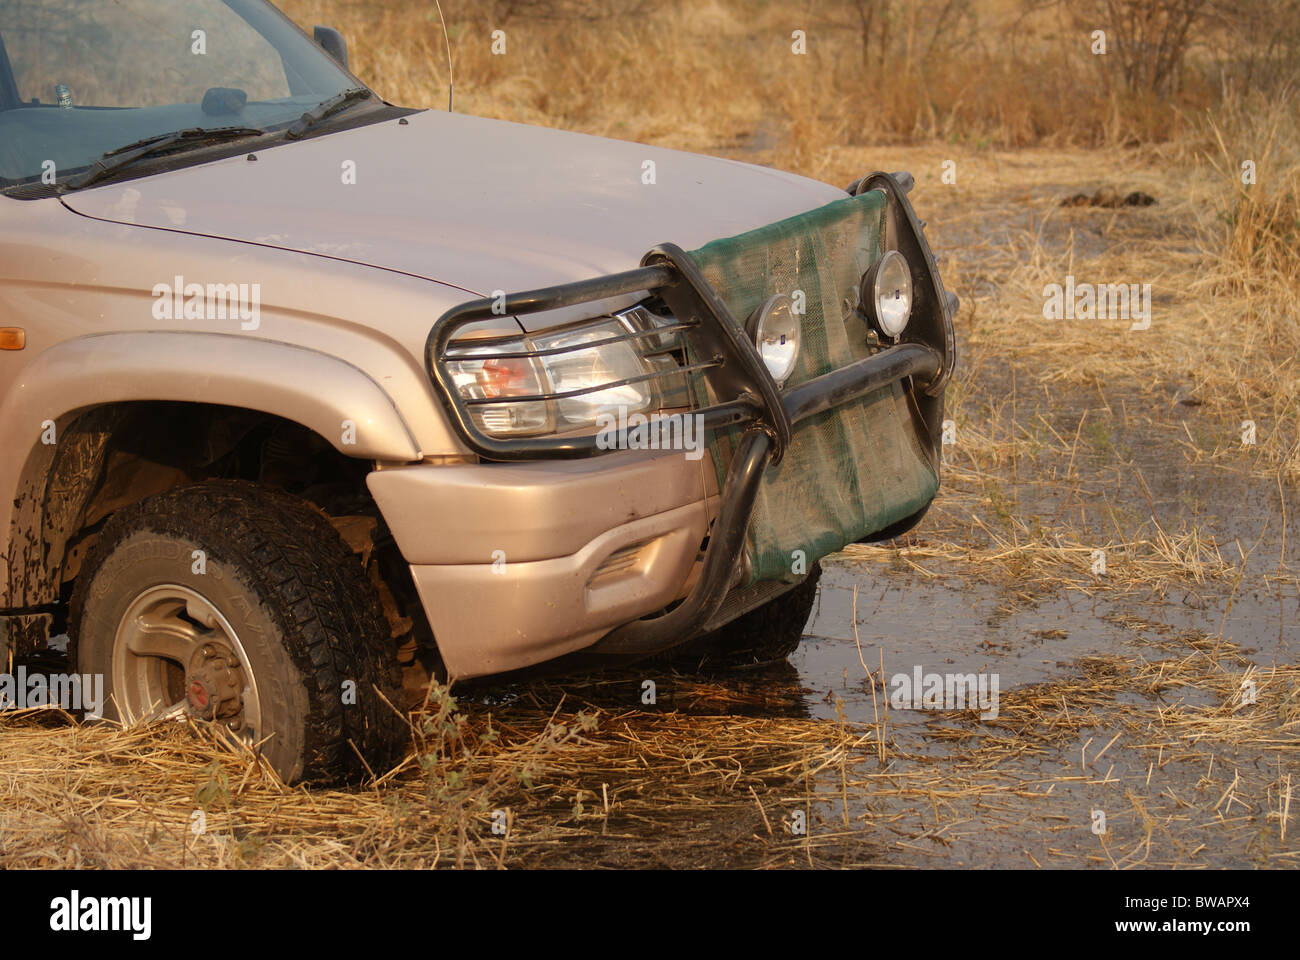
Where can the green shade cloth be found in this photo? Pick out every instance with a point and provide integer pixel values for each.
(853, 470)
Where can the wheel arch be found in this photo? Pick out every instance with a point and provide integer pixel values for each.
(74, 400)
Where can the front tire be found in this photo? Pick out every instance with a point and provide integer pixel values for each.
(243, 606)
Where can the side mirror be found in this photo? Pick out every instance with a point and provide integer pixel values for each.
(333, 43)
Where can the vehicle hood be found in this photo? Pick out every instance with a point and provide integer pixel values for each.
(478, 204)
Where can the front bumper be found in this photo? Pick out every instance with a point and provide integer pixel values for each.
(519, 563)
(639, 586)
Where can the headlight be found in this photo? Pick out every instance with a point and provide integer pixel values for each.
(776, 334)
(886, 293)
(577, 384)
(581, 370)
(493, 379)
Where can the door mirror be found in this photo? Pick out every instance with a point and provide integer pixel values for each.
(334, 44)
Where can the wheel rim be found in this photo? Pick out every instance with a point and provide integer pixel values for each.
(176, 655)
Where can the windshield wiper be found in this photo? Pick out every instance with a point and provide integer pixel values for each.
(328, 108)
(116, 160)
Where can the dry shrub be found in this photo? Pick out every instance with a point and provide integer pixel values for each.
(1147, 39)
(1255, 44)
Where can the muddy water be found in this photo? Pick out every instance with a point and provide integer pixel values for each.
(960, 628)
(957, 621)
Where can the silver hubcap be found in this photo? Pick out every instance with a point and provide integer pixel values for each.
(175, 655)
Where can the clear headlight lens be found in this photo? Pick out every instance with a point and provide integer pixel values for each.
(887, 293)
(597, 370)
(584, 369)
(776, 334)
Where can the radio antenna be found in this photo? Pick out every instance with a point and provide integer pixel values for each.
(451, 79)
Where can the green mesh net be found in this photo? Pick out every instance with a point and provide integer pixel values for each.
(853, 470)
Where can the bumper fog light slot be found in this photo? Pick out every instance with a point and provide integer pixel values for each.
(621, 562)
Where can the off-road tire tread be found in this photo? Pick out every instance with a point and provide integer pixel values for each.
(317, 591)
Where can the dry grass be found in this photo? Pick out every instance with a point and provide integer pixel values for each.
(1039, 561)
(706, 786)
(1254, 276)
(619, 787)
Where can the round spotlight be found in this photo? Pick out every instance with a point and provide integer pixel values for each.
(886, 293)
(775, 328)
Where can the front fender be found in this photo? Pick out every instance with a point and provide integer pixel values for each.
(325, 394)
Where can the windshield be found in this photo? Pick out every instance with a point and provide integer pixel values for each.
(81, 78)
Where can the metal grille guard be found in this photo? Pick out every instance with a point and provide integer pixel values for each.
(746, 392)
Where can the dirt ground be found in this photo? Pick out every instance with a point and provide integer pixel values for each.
(1160, 696)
